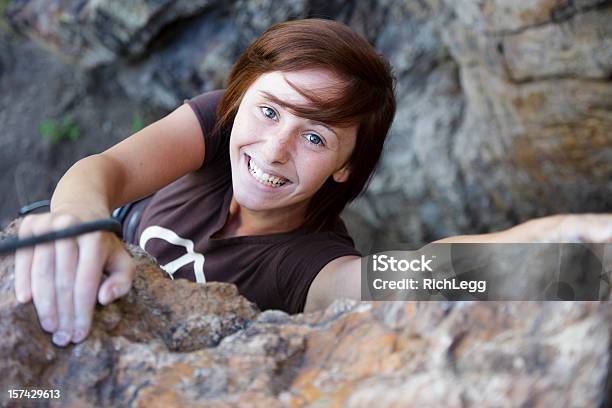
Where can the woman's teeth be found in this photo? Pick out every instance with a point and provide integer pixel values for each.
(265, 178)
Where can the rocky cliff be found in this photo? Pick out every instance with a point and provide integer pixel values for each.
(504, 107)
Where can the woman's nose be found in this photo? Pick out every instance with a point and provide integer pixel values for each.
(277, 146)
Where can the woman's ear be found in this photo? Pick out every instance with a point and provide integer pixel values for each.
(340, 176)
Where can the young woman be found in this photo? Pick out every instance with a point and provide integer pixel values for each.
(243, 185)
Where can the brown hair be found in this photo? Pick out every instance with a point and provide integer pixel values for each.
(365, 97)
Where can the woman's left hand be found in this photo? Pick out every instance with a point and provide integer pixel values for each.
(565, 228)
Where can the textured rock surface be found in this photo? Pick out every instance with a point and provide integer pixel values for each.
(36, 86)
(98, 32)
(176, 343)
(504, 106)
(536, 129)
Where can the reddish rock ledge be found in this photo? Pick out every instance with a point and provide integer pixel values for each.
(175, 343)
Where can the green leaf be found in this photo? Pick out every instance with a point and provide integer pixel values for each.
(137, 124)
(67, 121)
(46, 128)
(55, 132)
(74, 133)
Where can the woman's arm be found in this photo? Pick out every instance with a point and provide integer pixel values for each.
(525, 232)
(134, 168)
(64, 278)
(341, 278)
(562, 228)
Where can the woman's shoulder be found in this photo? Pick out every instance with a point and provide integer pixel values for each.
(204, 106)
(300, 260)
(207, 98)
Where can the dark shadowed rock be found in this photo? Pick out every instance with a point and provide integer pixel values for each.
(98, 32)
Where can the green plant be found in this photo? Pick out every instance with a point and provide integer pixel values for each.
(3, 20)
(55, 132)
(137, 123)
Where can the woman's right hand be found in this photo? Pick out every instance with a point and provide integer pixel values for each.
(63, 278)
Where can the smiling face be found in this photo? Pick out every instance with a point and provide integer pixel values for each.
(280, 160)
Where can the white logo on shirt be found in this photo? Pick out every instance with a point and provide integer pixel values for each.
(170, 236)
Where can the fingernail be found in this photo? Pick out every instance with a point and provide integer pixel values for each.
(61, 338)
(116, 293)
(20, 297)
(48, 325)
(78, 336)
(111, 295)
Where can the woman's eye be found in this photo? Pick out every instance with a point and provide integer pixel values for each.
(268, 112)
(314, 139)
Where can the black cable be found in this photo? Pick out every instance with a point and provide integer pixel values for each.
(26, 209)
(109, 224)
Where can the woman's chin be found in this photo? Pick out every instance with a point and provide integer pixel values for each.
(253, 203)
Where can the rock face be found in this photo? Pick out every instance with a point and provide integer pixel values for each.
(36, 86)
(538, 86)
(177, 343)
(98, 32)
(504, 107)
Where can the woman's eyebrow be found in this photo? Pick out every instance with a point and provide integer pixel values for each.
(273, 98)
